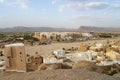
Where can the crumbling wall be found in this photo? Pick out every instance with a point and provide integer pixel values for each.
(33, 62)
(83, 48)
(15, 58)
(111, 55)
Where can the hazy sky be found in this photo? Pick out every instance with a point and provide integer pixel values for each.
(59, 13)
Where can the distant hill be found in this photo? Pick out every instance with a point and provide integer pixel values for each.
(51, 29)
(97, 29)
(34, 29)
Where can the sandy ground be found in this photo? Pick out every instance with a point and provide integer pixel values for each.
(46, 50)
(59, 75)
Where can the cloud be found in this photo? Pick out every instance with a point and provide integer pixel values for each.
(76, 6)
(78, 0)
(54, 2)
(61, 8)
(85, 6)
(71, 6)
(82, 5)
(116, 6)
(16, 3)
(97, 5)
(22, 3)
(2, 1)
(77, 17)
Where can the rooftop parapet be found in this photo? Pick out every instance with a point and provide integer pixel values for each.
(15, 44)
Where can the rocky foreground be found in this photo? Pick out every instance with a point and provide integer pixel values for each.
(59, 75)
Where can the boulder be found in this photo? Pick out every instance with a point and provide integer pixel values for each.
(91, 67)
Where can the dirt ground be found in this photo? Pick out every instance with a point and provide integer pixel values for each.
(46, 50)
(59, 75)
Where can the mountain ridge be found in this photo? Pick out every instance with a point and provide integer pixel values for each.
(35, 29)
(52, 29)
(98, 29)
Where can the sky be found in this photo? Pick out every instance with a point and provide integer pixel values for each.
(59, 13)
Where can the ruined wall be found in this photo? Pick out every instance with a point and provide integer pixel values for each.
(20, 58)
(33, 62)
(15, 58)
(98, 49)
(111, 55)
(83, 48)
(37, 35)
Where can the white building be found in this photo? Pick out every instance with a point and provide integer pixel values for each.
(59, 53)
(50, 60)
(89, 56)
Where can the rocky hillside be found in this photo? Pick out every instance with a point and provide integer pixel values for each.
(34, 29)
(97, 29)
(51, 29)
(59, 75)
